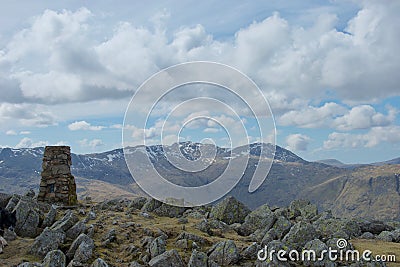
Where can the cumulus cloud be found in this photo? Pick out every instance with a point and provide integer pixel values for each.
(297, 142)
(11, 132)
(374, 137)
(26, 115)
(83, 125)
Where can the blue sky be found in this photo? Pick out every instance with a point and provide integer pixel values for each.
(329, 70)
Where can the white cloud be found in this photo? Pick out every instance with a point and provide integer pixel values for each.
(83, 125)
(364, 117)
(28, 143)
(24, 132)
(374, 137)
(11, 132)
(312, 117)
(93, 144)
(297, 142)
(26, 115)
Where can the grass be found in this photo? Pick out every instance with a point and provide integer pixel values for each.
(379, 248)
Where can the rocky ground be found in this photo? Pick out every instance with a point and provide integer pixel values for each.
(146, 232)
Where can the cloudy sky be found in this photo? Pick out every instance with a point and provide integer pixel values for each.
(329, 70)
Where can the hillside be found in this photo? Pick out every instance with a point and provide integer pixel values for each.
(346, 191)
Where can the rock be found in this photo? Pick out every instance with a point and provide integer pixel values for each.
(230, 210)
(151, 205)
(54, 258)
(385, 236)
(169, 258)
(30, 193)
(50, 217)
(367, 235)
(375, 227)
(12, 203)
(396, 235)
(265, 258)
(91, 216)
(183, 220)
(135, 264)
(166, 210)
(29, 264)
(198, 259)
(302, 208)
(192, 237)
(205, 227)
(76, 230)
(9, 235)
(82, 238)
(137, 203)
(47, 241)
(99, 262)
(224, 253)
(261, 218)
(250, 253)
(111, 236)
(281, 226)
(299, 235)
(157, 247)
(318, 247)
(27, 219)
(84, 252)
(269, 236)
(333, 227)
(66, 222)
(4, 199)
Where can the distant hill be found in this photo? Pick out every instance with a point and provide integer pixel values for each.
(291, 177)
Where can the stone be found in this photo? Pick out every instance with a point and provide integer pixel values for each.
(230, 210)
(330, 228)
(192, 237)
(281, 226)
(151, 205)
(375, 227)
(299, 235)
(4, 199)
(135, 264)
(50, 217)
(84, 251)
(166, 210)
(318, 247)
(12, 203)
(54, 258)
(137, 203)
(29, 264)
(82, 238)
(57, 184)
(224, 253)
(99, 262)
(168, 258)
(367, 235)
(27, 219)
(198, 259)
(385, 236)
(157, 247)
(9, 235)
(76, 230)
(47, 241)
(302, 208)
(66, 222)
(261, 218)
(250, 253)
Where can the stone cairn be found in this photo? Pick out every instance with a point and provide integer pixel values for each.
(57, 184)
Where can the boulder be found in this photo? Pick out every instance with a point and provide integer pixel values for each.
(9, 235)
(166, 210)
(135, 264)
(27, 219)
(54, 258)
(99, 262)
(137, 203)
(192, 237)
(29, 264)
(318, 247)
(250, 253)
(375, 227)
(151, 205)
(281, 226)
(333, 227)
(50, 217)
(302, 208)
(84, 251)
(230, 210)
(299, 235)
(82, 238)
(224, 253)
(168, 258)
(47, 241)
(198, 259)
(261, 218)
(385, 236)
(13, 201)
(76, 230)
(66, 222)
(157, 247)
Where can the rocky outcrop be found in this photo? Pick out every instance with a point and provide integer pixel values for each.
(230, 211)
(224, 253)
(168, 258)
(54, 258)
(27, 219)
(47, 241)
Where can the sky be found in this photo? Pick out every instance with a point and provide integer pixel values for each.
(328, 69)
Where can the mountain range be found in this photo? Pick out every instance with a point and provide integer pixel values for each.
(370, 191)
